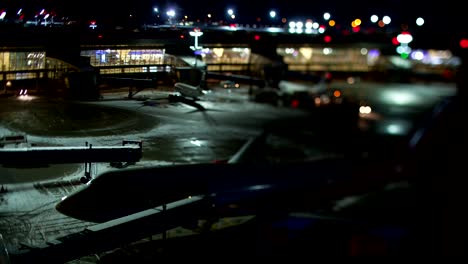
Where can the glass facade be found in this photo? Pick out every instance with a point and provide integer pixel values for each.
(326, 58)
(19, 65)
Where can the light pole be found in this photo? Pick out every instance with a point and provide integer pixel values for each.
(196, 33)
(156, 13)
(170, 13)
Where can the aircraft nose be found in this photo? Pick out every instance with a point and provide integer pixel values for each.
(76, 206)
(68, 206)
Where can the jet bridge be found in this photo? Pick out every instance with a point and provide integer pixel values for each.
(25, 155)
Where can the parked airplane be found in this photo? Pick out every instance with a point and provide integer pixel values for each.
(231, 188)
(188, 90)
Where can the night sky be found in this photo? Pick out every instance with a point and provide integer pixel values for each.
(248, 11)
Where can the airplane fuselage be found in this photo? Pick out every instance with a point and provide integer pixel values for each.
(188, 90)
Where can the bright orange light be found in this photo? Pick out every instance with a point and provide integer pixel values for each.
(331, 23)
(353, 24)
(337, 93)
(381, 23)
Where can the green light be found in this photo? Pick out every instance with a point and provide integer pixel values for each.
(404, 55)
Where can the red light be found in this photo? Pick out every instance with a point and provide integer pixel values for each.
(356, 29)
(99, 36)
(295, 103)
(257, 37)
(93, 22)
(327, 39)
(464, 43)
(182, 36)
(395, 41)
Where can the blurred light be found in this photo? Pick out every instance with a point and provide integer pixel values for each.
(350, 80)
(374, 53)
(19, 11)
(321, 30)
(2, 15)
(464, 43)
(417, 55)
(356, 29)
(155, 9)
(257, 37)
(357, 22)
(331, 23)
(292, 30)
(381, 23)
(209, 15)
(337, 93)
(233, 16)
(404, 55)
(395, 41)
(274, 30)
(420, 21)
(292, 24)
(308, 31)
(317, 101)
(284, 20)
(272, 14)
(308, 24)
(299, 25)
(8, 84)
(294, 103)
(299, 30)
(306, 52)
(399, 97)
(170, 13)
(325, 99)
(394, 129)
(386, 20)
(404, 38)
(327, 39)
(230, 12)
(196, 142)
(374, 18)
(327, 51)
(403, 49)
(364, 51)
(326, 16)
(315, 25)
(365, 109)
(42, 12)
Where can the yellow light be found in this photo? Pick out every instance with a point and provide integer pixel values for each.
(357, 21)
(331, 23)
